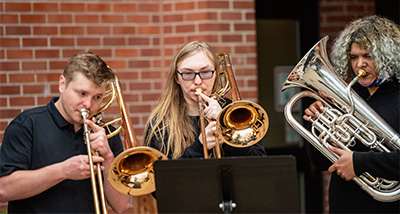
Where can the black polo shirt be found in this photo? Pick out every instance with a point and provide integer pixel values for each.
(40, 137)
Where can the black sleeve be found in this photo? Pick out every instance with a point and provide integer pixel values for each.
(254, 150)
(194, 151)
(318, 159)
(379, 164)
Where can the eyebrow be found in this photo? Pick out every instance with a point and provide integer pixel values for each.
(190, 69)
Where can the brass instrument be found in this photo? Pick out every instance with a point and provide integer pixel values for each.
(131, 172)
(241, 123)
(90, 151)
(202, 127)
(345, 118)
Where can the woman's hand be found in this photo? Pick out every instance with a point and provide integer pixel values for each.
(313, 110)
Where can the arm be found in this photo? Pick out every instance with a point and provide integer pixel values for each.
(27, 183)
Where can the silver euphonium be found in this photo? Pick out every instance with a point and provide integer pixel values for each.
(345, 118)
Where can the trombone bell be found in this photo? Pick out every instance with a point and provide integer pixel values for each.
(242, 123)
(132, 173)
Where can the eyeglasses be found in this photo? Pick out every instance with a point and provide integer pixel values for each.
(204, 75)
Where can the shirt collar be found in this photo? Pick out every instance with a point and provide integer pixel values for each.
(55, 114)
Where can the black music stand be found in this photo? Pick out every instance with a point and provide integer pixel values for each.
(228, 185)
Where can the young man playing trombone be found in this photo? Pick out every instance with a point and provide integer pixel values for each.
(43, 158)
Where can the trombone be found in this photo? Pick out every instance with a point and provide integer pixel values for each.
(131, 172)
(241, 123)
(90, 151)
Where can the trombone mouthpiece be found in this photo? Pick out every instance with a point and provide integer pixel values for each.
(199, 90)
(84, 113)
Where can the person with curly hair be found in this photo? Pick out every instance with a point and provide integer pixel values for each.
(174, 125)
(371, 43)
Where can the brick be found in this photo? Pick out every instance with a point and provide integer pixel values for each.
(138, 41)
(148, 30)
(214, 27)
(122, 7)
(18, 7)
(72, 30)
(47, 53)
(213, 5)
(19, 54)
(28, 42)
(9, 113)
(245, 27)
(184, 6)
(112, 19)
(128, 52)
(138, 63)
(17, 30)
(10, 90)
(124, 30)
(9, 66)
(150, 52)
(99, 7)
(114, 41)
(148, 7)
(32, 18)
(87, 18)
(8, 18)
(72, 7)
(231, 16)
(59, 18)
(45, 30)
(138, 18)
(89, 41)
(9, 42)
(185, 28)
(98, 30)
(62, 42)
(34, 65)
(198, 16)
(22, 101)
(21, 77)
(244, 5)
(45, 7)
(47, 77)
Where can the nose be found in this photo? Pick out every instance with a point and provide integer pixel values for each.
(361, 62)
(87, 103)
(197, 79)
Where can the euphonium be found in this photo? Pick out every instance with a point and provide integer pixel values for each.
(346, 118)
(131, 172)
(241, 123)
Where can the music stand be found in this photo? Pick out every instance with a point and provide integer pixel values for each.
(237, 185)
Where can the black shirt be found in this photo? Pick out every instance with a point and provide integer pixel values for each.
(40, 137)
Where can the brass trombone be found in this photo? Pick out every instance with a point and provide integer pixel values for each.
(131, 172)
(241, 123)
(90, 151)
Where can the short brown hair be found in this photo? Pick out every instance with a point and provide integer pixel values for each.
(90, 65)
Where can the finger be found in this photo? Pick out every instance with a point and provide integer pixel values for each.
(203, 96)
(94, 126)
(332, 168)
(335, 150)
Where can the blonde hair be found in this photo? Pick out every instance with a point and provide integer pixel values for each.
(379, 36)
(169, 122)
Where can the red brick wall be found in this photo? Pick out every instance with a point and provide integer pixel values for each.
(334, 15)
(137, 38)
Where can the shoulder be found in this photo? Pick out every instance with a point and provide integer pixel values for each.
(31, 114)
